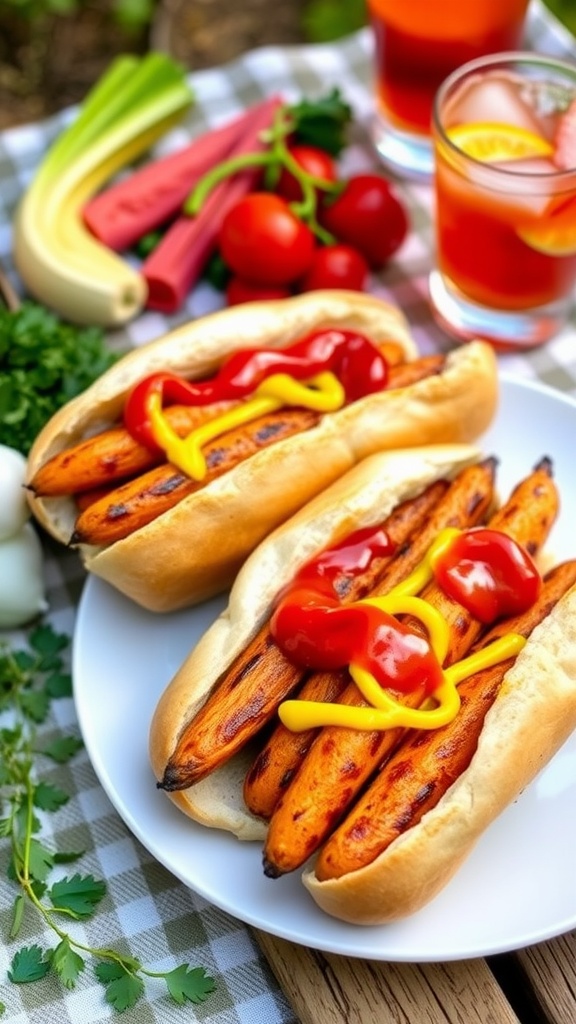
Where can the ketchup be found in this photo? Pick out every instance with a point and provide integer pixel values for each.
(489, 574)
(486, 571)
(355, 360)
(313, 630)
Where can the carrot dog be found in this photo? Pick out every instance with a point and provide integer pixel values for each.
(167, 537)
(378, 816)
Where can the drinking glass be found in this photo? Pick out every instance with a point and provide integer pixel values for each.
(504, 130)
(417, 44)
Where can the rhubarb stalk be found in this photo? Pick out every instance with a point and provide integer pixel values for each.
(180, 257)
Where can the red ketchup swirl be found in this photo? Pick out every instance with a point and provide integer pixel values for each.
(489, 574)
(313, 630)
(353, 358)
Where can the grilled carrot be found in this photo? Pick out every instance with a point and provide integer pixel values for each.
(340, 761)
(135, 504)
(466, 502)
(248, 694)
(426, 764)
(113, 455)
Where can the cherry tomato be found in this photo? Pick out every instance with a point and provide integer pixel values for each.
(314, 161)
(238, 291)
(369, 216)
(336, 266)
(261, 240)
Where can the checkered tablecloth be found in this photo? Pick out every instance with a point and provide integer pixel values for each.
(141, 893)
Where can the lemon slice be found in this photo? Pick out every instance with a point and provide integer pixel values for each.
(493, 142)
(554, 235)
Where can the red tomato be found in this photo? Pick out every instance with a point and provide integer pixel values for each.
(369, 216)
(261, 240)
(336, 266)
(238, 291)
(314, 161)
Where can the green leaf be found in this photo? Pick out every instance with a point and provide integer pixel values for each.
(79, 895)
(109, 970)
(189, 983)
(117, 966)
(48, 797)
(67, 964)
(41, 860)
(61, 750)
(5, 827)
(124, 992)
(24, 660)
(43, 363)
(59, 684)
(47, 642)
(17, 915)
(28, 964)
(68, 856)
(35, 705)
(322, 122)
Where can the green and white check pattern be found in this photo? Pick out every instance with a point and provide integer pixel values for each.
(146, 911)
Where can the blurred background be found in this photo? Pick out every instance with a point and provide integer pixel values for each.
(51, 51)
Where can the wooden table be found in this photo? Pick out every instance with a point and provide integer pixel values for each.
(533, 986)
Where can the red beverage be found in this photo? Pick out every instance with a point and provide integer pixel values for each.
(505, 141)
(417, 45)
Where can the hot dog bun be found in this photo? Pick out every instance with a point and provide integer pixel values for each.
(362, 497)
(532, 717)
(194, 550)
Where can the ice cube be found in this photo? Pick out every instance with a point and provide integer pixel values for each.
(515, 191)
(492, 99)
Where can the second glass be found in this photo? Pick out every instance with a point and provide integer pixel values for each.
(505, 143)
(417, 45)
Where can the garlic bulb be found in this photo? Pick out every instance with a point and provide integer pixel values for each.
(21, 557)
(21, 579)
(14, 511)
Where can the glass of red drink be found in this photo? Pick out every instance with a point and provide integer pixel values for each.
(504, 130)
(418, 43)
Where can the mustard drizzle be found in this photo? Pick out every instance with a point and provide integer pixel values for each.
(322, 393)
(386, 712)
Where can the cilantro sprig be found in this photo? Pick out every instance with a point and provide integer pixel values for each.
(30, 679)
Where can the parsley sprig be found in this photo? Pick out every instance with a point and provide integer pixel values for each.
(30, 679)
(44, 362)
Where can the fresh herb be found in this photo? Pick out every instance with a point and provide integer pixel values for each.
(30, 679)
(44, 362)
(322, 122)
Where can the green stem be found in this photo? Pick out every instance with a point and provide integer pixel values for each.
(226, 169)
(277, 157)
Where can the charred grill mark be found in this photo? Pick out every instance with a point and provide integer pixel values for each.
(259, 765)
(117, 511)
(270, 431)
(169, 485)
(245, 670)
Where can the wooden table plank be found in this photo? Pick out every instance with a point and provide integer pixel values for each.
(550, 972)
(327, 989)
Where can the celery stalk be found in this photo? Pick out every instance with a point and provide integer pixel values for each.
(59, 261)
(124, 91)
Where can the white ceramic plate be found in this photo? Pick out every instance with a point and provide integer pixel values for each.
(517, 888)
